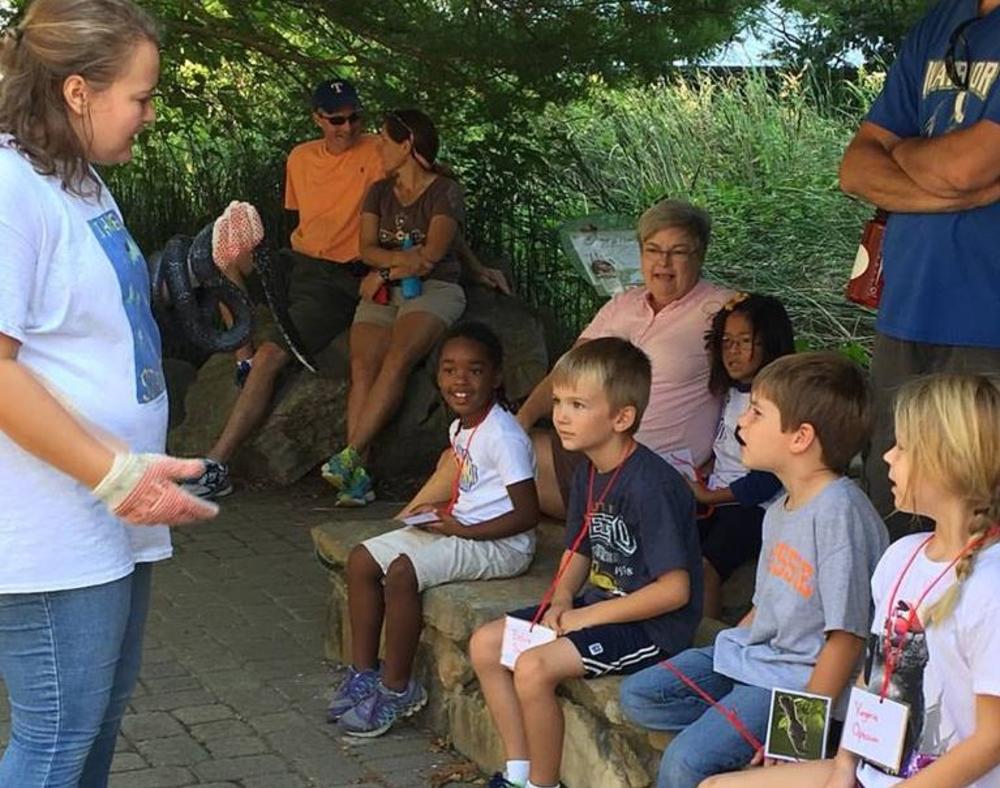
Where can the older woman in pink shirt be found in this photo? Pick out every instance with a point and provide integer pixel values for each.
(667, 318)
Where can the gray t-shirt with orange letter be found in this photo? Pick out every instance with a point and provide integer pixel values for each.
(813, 578)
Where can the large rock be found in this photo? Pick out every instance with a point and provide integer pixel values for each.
(307, 421)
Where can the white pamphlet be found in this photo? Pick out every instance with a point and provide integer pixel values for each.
(519, 636)
(421, 518)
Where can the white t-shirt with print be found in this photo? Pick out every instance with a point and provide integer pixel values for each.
(943, 667)
(728, 461)
(74, 292)
(500, 454)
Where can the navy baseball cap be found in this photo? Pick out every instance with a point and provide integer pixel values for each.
(335, 94)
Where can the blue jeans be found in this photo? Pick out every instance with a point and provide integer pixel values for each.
(707, 743)
(70, 660)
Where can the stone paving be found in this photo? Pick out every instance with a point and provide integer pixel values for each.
(234, 686)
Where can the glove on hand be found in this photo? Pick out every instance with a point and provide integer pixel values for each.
(236, 233)
(142, 489)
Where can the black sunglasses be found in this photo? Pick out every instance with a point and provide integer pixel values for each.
(340, 120)
(959, 77)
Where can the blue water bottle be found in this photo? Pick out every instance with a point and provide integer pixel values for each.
(411, 286)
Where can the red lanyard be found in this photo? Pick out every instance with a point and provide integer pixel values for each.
(584, 528)
(728, 714)
(464, 458)
(892, 652)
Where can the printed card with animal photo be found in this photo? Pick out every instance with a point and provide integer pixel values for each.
(798, 725)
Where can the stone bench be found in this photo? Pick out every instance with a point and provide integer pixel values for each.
(601, 747)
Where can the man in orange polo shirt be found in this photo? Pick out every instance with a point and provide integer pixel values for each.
(326, 181)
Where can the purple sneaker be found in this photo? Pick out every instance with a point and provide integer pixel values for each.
(374, 715)
(356, 686)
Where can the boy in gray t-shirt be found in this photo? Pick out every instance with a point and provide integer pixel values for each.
(808, 417)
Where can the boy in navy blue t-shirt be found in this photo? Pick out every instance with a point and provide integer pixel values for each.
(640, 554)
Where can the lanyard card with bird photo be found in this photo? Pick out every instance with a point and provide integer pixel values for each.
(797, 726)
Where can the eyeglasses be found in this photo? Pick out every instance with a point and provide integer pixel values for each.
(340, 120)
(959, 72)
(675, 252)
(743, 344)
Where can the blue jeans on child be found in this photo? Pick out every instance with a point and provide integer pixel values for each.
(70, 660)
(707, 743)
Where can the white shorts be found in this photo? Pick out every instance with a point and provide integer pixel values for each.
(441, 559)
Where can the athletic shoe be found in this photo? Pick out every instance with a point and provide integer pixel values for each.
(243, 371)
(213, 483)
(359, 492)
(380, 710)
(340, 467)
(357, 686)
(499, 781)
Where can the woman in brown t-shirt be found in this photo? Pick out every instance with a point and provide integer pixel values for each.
(410, 221)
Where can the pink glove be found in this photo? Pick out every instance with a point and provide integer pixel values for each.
(236, 233)
(142, 489)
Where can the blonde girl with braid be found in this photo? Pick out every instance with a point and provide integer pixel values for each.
(937, 607)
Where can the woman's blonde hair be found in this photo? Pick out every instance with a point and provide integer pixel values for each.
(950, 427)
(56, 39)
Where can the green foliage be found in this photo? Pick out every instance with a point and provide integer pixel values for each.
(237, 76)
(829, 29)
(473, 62)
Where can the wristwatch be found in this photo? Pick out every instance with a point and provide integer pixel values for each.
(384, 274)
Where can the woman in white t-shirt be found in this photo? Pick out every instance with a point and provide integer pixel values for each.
(926, 711)
(83, 405)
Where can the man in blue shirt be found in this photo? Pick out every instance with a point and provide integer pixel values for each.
(929, 153)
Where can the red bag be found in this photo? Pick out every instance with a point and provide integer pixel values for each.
(865, 284)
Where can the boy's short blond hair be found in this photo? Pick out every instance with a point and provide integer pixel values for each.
(826, 390)
(620, 368)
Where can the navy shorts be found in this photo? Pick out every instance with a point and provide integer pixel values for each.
(608, 649)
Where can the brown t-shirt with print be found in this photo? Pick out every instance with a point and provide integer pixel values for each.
(444, 197)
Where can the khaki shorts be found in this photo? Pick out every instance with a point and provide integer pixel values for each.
(441, 559)
(444, 300)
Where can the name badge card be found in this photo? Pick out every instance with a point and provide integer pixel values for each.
(875, 728)
(797, 726)
(519, 636)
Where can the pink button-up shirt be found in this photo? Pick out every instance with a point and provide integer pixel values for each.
(682, 414)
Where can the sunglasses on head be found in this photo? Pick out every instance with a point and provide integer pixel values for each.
(406, 126)
(340, 120)
(958, 47)
(421, 159)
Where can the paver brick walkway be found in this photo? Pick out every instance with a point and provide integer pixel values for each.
(234, 686)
